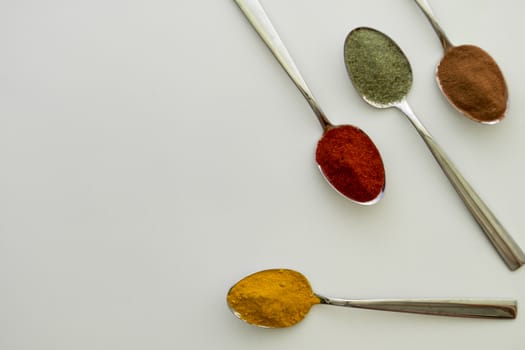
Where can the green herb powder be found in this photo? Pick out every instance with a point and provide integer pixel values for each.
(377, 66)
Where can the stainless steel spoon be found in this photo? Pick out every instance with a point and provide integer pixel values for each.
(364, 70)
(279, 298)
(493, 110)
(360, 180)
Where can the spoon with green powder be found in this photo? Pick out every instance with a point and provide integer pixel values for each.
(382, 75)
(469, 77)
(346, 156)
(280, 298)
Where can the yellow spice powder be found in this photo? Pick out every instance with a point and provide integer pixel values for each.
(272, 298)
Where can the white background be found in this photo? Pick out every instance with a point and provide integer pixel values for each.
(153, 153)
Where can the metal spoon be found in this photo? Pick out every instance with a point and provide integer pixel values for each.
(496, 109)
(266, 309)
(509, 251)
(360, 189)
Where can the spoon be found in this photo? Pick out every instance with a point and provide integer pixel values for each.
(279, 298)
(346, 156)
(457, 62)
(381, 73)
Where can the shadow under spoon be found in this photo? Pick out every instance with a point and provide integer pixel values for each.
(347, 157)
(469, 77)
(278, 298)
(382, 75)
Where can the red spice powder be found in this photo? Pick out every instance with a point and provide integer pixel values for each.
(351, 162)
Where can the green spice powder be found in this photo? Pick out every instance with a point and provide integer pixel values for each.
(377, 66)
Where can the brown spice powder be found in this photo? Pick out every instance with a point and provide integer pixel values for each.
(473, 82)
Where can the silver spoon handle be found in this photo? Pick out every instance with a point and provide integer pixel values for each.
(471, 308)
(507, 248)
(425, 7)
(258, 18)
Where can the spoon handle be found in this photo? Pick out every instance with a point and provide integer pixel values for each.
(471, 308)
(258, 18)
(425, 7)
(507, 248)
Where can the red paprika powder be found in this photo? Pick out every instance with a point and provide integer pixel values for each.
(351, 163)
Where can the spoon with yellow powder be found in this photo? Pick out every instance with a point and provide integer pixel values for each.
(469, 77)
(279, 298)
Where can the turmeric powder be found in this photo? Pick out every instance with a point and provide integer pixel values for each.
(272, 298)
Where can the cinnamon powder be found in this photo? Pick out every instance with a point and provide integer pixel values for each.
(473, 82)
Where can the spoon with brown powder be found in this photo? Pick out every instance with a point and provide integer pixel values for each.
(279, 298)
(469, 77)
(347, 157)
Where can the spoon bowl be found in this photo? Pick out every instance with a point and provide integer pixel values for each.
(347, 157)
(381, 73)
(454, 72)
(469, 77)
(278, 298)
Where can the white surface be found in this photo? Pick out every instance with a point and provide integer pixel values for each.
(154, 152)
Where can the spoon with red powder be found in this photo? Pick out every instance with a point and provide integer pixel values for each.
(346, 156)
(469, 77)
